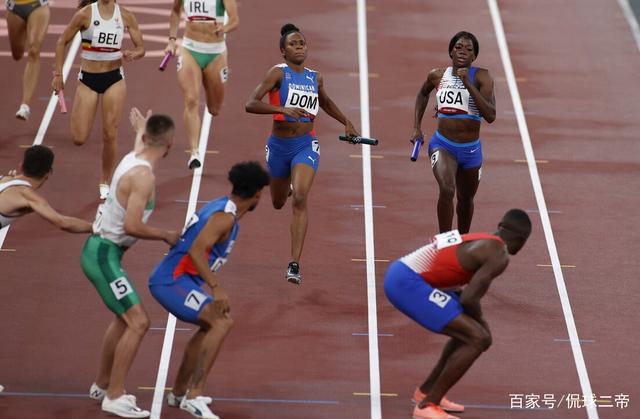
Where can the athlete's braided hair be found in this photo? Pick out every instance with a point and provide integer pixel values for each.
(467, 35)
(287, 29)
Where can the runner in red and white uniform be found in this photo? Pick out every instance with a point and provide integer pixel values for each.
(426, 285)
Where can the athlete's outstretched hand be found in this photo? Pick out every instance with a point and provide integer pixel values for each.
(349, 130)
(295, 112)
(221, 303)
(172, 237)
(138, 121)
(417, 133)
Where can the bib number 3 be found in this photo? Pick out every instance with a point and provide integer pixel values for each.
(439, 298)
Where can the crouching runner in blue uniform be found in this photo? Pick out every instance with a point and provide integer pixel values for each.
(178, 282)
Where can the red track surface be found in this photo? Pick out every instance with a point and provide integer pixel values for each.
(577, 73)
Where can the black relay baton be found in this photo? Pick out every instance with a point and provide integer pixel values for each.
(359, 140)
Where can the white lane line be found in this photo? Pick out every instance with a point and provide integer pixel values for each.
(167, 344)
(583, 376)
(374, 358)
(631, 19)
(53, 101)
(51, 107)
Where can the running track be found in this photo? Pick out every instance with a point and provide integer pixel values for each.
(300, 352)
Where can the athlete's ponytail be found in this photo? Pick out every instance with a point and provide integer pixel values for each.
(286, 29)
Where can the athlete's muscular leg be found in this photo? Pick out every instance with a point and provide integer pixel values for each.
(137, 323)
(111, 338)
(302, 179)
(467, 181)
(474, 339)
(37, 25)
(190, 80)
(83, 113)
(189, 360)
(280, 188)
(444, 169)
(214, 79)
(17, 29)
(215, 327)
(449, 349)
(112, 104)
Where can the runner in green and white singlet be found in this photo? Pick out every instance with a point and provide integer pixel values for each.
(120, 222)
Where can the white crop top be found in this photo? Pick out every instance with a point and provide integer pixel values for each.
(102, 40)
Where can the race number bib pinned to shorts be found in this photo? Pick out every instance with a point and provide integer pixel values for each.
(195, 300)
(434, 158)
(450, 238)
(121, 288)
(315, 146)
(439, 298)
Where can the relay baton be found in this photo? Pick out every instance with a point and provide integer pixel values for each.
(165, 61)
(61, 102)
(359, 140)
(416, 148)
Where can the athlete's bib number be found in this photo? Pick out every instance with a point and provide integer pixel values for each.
(195, 300)
(121, 288)
(315, 146)
(453, 101)
(439, 298)
(302, 99)
(450, 238)
(106, 41)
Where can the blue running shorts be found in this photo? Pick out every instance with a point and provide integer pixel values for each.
(184, 298)
(408, 292)
(284, 153)
(468, 155)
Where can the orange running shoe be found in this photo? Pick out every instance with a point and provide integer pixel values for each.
(431, 411)
(445, 404)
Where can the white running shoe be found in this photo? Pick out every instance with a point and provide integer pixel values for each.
(24, 112)
(124, 406)
(97, 393)
(198, 408)
(1, 389)
(174, 401)
(194, 161)
(104, 190)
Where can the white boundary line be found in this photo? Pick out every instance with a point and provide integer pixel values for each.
(167, 344)
(374, 359)
(583, 376)
(48, 113)
(631, 19)
(51, 107)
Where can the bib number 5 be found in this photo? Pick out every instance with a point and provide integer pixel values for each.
(121, 288)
